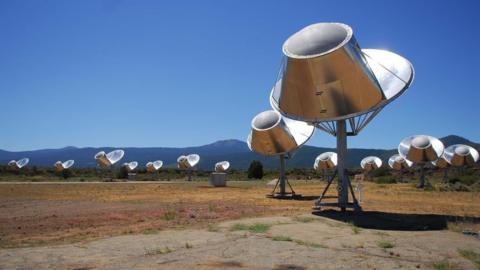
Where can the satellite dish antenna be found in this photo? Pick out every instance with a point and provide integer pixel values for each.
(399, 163)
(188, 163)
(369, 164)
(421, 149)
(107, 160)
(222, 166)
(154, 166)
(326, 79)
(17, 165)
(130, 166)
(324, 162)
(460, 155)
(60, 166)
(274, 135)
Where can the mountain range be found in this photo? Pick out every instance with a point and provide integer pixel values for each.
(235, 151)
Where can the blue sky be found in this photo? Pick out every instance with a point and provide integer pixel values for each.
(183, 73)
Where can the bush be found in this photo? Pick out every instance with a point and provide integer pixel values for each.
(122, 173)
(255, 170)
(66, 174)
(385, 180)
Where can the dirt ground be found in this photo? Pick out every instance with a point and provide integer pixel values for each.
(184, 225)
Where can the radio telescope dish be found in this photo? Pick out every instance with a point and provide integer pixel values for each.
(324, 161)
(60, 166)
(188, 163)
(397, 162)
(107, 160)
(371, 163)
(421, 149)
(17, 165)
(459, 155)
(154, 166)
(130, 165)
(222, 166)
(327, 80)
(274, 135)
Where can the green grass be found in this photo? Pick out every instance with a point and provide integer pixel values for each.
(282, 238)
(5, 243)
(157, 251)
(254, 228)
(471, 256)
(188, 245)
(385, 244)
(443, 265)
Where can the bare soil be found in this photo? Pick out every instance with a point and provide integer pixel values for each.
(185, 225)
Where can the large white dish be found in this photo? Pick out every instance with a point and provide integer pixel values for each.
(272, 135)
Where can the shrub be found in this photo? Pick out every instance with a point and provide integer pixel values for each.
(122, 173)
(255, 170)
(385, 180)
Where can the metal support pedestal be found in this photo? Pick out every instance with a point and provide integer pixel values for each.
(281, 183)
(344, 184)
(423, 180)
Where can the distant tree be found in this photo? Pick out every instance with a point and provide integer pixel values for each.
(255, 170)
(122, 173)
(66, 174)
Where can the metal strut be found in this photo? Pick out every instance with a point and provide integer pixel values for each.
(282, 181)
(344, 183)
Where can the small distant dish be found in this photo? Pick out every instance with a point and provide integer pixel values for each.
(371, 163)
(459, 155)
(421, 148)
(130, 165)
(154, 166)
(18, 164)
(222, 166)
(187, 162)
(60, 166)
(397, 162)
(274, 135)
(107, 160)
(324, 161)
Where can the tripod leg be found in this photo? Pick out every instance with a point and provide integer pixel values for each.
(317, 201)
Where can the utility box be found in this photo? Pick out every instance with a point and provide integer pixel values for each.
(218, 179)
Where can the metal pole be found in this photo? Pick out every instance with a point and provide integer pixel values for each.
(341, 166)
(282, 177)
(422, 176)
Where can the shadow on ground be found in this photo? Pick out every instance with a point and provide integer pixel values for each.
(395, 221)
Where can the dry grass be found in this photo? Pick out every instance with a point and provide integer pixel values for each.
(33, 214)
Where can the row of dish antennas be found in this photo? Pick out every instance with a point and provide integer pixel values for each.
(59, 166)
(419, 149)
(184, 162)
